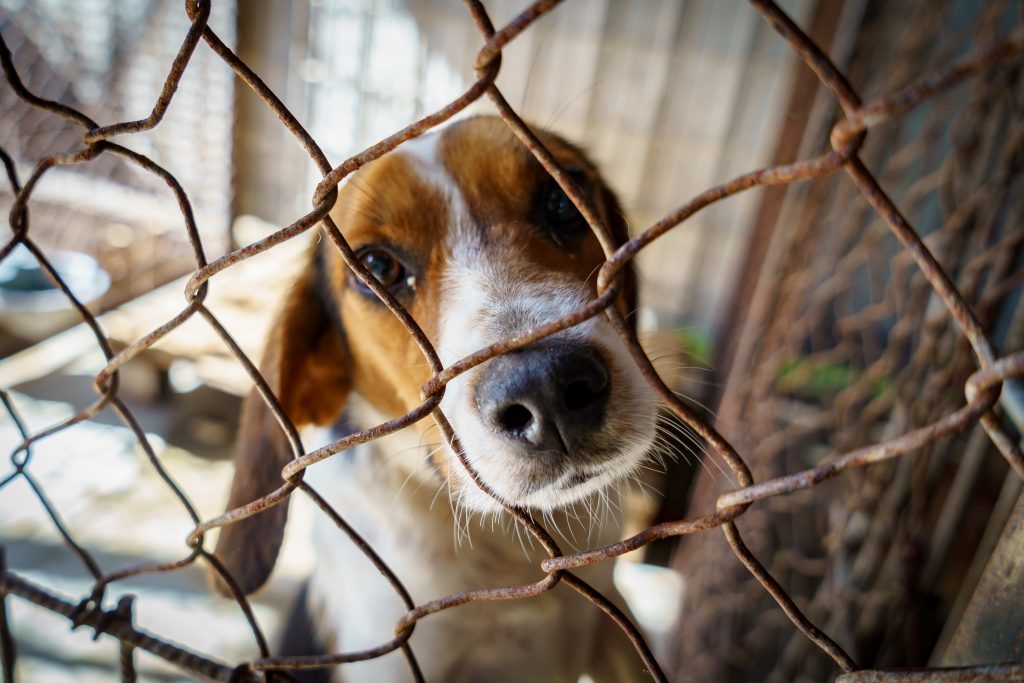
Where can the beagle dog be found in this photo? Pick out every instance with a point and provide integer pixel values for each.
(466, 229)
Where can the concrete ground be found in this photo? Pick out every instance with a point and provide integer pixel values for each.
(114, 503)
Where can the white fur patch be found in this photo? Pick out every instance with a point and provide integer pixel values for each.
(423, 151)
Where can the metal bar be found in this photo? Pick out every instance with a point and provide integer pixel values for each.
(8, 649)
(111, 623)
(126, 652)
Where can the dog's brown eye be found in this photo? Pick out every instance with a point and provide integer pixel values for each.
(559, 211)
(560, 207)
(383, 266)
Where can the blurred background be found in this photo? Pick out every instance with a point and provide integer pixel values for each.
(788, 314)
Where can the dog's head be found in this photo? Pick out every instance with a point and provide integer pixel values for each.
(466, 229)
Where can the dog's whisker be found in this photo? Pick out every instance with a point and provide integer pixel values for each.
(681, 433)
(698, 454)
(413, 472)
(695, 402)
(648, 468)
(441, 487)
(664, 447)
(648, 489)
(680, 364)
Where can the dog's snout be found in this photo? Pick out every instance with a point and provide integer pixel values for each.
(546, 397)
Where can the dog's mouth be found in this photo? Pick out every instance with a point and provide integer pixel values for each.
(575, 479)
(564, 481)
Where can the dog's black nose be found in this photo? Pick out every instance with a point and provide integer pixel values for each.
(547, 397)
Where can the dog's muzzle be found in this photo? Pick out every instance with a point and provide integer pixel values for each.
(545, 399)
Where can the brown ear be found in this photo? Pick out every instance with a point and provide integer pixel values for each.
(616, 220)
(306, 365)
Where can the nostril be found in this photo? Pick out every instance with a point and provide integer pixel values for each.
(545, 398)
(580, 395)
(514, 418)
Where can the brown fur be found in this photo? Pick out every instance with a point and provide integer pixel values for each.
(388, 203)
(307, 367)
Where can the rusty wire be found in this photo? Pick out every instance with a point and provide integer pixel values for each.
(981, 389)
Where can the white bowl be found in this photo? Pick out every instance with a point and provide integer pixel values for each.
(31, 306)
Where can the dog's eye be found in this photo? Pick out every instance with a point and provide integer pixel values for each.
(382, 265)
(560, 207)
(559, 210)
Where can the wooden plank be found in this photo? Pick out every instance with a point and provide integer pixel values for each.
(992, 627)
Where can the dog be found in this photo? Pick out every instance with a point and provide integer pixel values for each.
(467, 230)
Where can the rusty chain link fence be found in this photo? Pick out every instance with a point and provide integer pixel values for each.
(980, 373)
(845, 345)
(109, 58)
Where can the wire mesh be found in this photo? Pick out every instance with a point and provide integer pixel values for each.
(845, 345)
(981, 387)
(108, 58)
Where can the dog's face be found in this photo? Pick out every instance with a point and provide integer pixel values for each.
(466, 229)
(469, 232)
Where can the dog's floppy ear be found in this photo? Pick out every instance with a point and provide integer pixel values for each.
(306, 365)
(616, 220)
